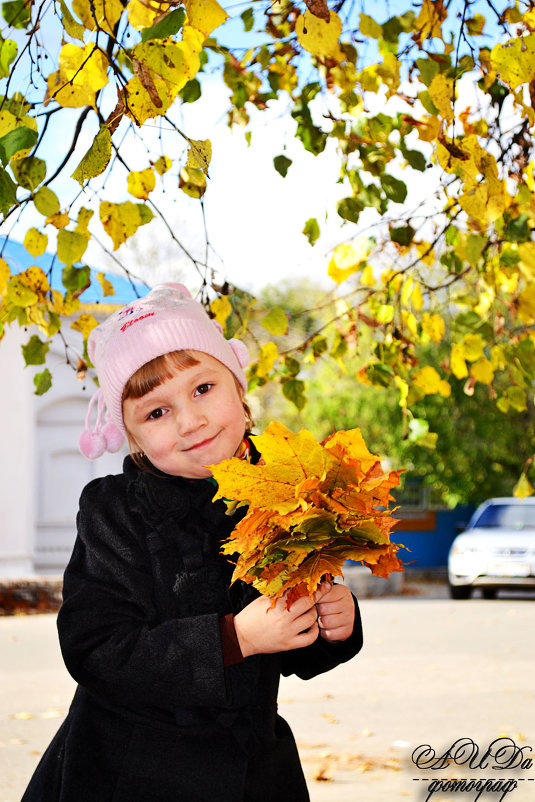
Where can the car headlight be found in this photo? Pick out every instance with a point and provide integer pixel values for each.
(461, 548)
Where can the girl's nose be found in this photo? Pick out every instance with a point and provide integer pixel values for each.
(189, 419)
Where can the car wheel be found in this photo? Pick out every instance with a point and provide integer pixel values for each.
(460, 591)
(489, 593)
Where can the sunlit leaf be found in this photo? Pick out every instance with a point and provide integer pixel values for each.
(205, 15)
(72, 27)
(523, 487)
(267, 357)
(85, 324)
(71, 246)
(122, 220)
(46, 202)
(82, 72)
(319, 37)
(276, 321)
(96, 159)
(35, 242)
(141, 184)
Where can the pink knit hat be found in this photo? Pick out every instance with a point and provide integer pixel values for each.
(167, 319)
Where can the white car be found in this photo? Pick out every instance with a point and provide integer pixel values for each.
(497, 549)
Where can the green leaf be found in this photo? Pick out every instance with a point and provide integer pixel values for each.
(247, 17)
(46, 202)
(8, 53)
(415, 158)
(379, 374)
(35, 351)
(312, 230)
(73, 28)
(29, 172)
(76, 278)
(71, 247)
(429, 69)
(8, 192)
(281, 164)
(16, 13)
(191, 92)
(403, 235)
(42, 382)
(167, 26)
(349, 209)
(20, 138)
(369, 28)
(294, 391)
(276, 321)
(394, 189)
(96, 159)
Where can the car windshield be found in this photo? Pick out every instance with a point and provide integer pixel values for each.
(510, 516)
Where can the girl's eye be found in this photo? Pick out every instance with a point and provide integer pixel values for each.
(202, 389)
(155, 414)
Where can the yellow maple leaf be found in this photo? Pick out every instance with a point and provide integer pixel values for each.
(311, 507)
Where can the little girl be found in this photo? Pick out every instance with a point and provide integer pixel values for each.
(177, 670)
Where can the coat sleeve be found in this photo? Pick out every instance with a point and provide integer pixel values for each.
(323, 655)
(112, 640)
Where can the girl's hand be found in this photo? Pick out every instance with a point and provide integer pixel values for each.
(336, 612)
(262, 629)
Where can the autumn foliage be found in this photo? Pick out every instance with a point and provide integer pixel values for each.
(311, 507)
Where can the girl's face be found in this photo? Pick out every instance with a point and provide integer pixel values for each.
(194, 419)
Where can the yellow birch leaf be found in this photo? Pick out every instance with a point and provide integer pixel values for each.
(96, 159)
(35, 242)
(105, 13)
(5, 275)
(59, 220)
(82, 222)
(192, 181)
(457, 362)
(221, 308)
(433, 326)
(410, 321)
(428, 128)
(367, 278)
(348, 258)
(406, 291)
(162, 165)
(319, 37)
(482, 371)
(497, 357)
(18, 294)
(71, 246)
(144, 13)
(276, 321)
(122, 220)
(46, 202)
(514, 61)
(266, 359)
(429, 21)
(523, 488)
(35, 279)
(389, 71)
(140, 184)
(428, 380)
(200, 154)
(426, 252)
(205, 15)
(526, 305)
(441, 91)
(417, 298)
(526, 251)
(82, 72)
(473, 346)
(106, 285)
(85, 324)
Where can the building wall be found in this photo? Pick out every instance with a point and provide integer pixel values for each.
(42, 472)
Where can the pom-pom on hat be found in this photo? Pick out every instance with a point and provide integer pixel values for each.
(167, 319)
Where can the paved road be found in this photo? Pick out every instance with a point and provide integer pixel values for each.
(432, 671)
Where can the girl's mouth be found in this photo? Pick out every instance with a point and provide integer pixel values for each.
(202, 444)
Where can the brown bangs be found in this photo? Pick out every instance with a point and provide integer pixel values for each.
(155, 372)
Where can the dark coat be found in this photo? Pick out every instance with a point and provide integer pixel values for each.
(156, 715)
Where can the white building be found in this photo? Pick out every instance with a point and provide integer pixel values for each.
(42, 471)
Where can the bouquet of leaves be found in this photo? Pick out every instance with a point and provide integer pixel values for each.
(311, 506)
